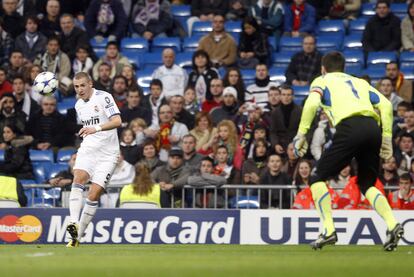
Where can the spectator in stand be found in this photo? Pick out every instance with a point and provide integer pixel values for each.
(253, 47)
(284, 120)
(204, 132)
(339, 182)
(305, 65)
(251, 128)
(5, 86)
(202, 75)
(24, 102)
(138, 126)
(64, 179)
(403, 199)
(154, 100)
(57, 62)
(6, 44)
(172, 176)
(322, 137)
(407, 31)
(274, 101)
(238, 10)
(16, 157)
(103, 80)
(220, 45)
(134, 108)
(216, 91)
(170, 131)
(398, 123)
(10, 116)
(106, 18)
(72, 37)
(128, 71)
(291, 161)
(269, 16)
(382, 31)
(48, 127)
(227, 136)
(345, 9)
(190, 101)
(404, 153)
(112, 57)
(119, 90)
(205, 10)
(258, 92)
(389, 174)
(180, 114)
(16, 65)
(129, 148)
(274, 176)
(151, 19)
(191, 157)
(223, 167)
(386, 88)
(82, 61)
(150, 155)
(402, 86)
(229, 108)
(31, 73)
(255, 167)
(12, 20)
(234, 78)
(173, 78)
(300, 19)
(302, 174)
(407, 127)
(322, 7)
(49, 25)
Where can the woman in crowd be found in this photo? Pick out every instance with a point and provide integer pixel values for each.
(301, 176)
(227, 136)
(234, 78)
(150, 155)
(128, 72)
(255, 167)
(407, 29)
(204, 132)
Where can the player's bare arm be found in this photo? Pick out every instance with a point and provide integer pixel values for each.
(113, 123)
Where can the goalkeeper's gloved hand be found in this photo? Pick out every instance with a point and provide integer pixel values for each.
(300, 145)
(386, 148)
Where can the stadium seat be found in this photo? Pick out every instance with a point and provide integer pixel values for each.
(407, 58)
(353, 41)
(300, 90)
(248, 75)
(367, 10)
(408, 71)
(159, 44)
(374, 73)
(233, 26)
(399, 9)
(181, 11)
(41, 156)
(150, 61)
(184, 60)
(133, 57)
(96, 44)
(65, 104)
(1, 155)
(277, 74)
(99, 52)
(290, 44)
(331, 26)
(354, 58)
(39, 171)
(282, 59)
(54, 168)
(357, 26)
(138, 44)
(236, 37)
(329, 42)
(273, 44)
(144, 78)
(202, 27)
(380, 58)
(190, 44)
(47, 198)
(27, 182)
(353, 70)
(63, 155)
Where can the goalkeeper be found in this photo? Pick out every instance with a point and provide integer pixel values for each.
(349, 103)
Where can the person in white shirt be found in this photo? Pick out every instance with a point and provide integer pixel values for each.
(98, 153)
(173, 78)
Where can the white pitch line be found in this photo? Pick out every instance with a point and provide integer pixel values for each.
(40, 254)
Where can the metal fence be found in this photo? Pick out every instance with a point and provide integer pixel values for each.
(223, 197)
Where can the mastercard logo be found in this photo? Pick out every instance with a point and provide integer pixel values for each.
(27, 228)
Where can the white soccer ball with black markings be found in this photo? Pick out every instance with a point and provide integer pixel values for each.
(45, 83)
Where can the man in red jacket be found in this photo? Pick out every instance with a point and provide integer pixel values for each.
(403, 198)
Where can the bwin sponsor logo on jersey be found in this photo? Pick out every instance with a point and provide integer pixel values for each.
(91, 121)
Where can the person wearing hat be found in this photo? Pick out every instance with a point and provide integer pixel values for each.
(229, 107)
(171, 177)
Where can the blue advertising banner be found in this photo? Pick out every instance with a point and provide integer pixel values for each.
(123, 226)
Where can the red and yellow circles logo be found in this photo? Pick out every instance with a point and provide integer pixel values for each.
(27, 228)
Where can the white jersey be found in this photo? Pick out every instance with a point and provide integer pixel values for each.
(173, 80)
(98, 110)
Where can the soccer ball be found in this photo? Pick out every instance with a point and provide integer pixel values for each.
(45, 83)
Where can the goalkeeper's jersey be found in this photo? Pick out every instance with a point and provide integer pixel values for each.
(342, 96)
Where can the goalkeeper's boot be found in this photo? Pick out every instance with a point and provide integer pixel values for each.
(324, 240)
(393, 237)
(72, 229)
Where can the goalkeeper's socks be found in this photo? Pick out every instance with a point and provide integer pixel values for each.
(322, 199)
(87, 214)
(75, 202)
(380, 204)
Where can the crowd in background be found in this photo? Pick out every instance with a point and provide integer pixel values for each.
(199, 126)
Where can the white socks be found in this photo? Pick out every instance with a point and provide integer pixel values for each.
(75, 202)
(87, 214)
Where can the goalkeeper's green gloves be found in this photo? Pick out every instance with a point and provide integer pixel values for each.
(386, 148)
(300, 145)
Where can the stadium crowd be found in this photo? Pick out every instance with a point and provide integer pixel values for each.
(200, 124)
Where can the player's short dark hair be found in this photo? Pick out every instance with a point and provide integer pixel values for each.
(81, 75)
(156, 82)
(386, 2)
(333, 62)
(406, 176)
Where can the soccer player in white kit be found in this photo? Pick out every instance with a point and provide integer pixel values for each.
(98, 153)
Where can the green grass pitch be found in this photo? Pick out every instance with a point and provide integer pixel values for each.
(203, 260)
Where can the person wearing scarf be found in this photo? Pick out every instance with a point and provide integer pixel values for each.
(300, 19)
(82, 62)
(402, 86)
(31, 43)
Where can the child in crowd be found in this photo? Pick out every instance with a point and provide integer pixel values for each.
(138, 126)
(191, 104)
(129, 148)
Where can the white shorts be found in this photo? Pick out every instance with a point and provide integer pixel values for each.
(98, 165)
